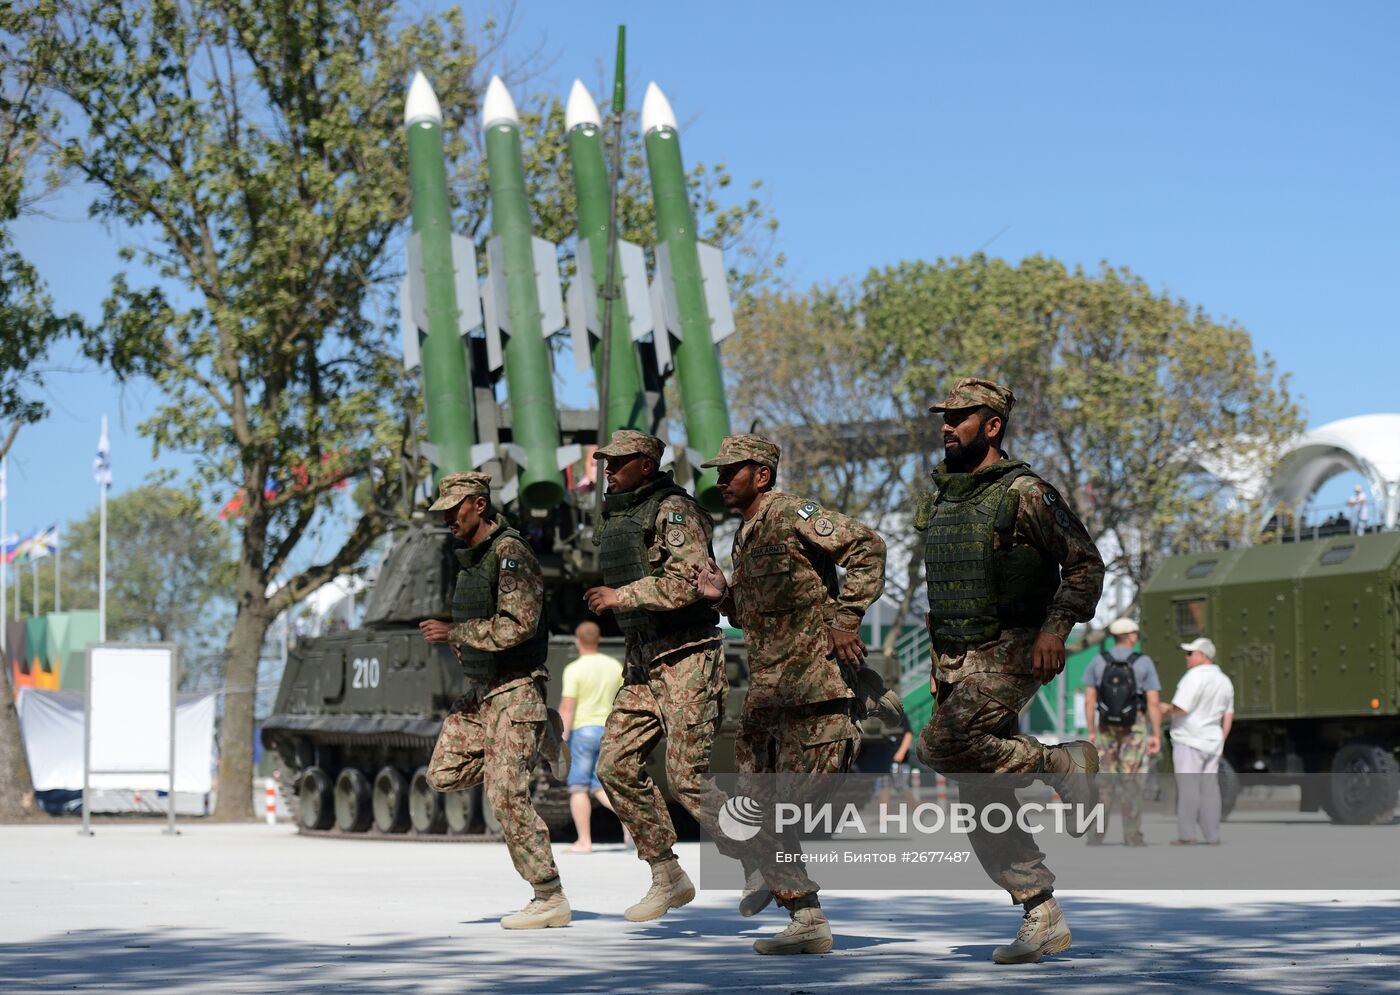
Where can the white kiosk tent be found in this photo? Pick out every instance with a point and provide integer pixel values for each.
(1367, 444)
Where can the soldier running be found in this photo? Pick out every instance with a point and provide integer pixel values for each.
(500, 723)
(652, 537)
(1010, 569)
(802, 630)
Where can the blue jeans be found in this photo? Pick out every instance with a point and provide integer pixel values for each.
(584, 744)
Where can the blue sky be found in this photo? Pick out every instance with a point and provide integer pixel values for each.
(1242, 156)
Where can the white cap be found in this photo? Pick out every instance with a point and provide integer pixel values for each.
(422, 103)
(1122, 626)
(656, 111)
(1202, 644)
(580, 109)
(498, 108)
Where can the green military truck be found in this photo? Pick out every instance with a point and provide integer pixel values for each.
(1309, 632)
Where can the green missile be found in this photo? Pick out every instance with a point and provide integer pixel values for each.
(523, 306)
(438, 296)
(631, 313)
(690, 300)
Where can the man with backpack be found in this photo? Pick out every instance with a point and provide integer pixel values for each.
(1120, 686)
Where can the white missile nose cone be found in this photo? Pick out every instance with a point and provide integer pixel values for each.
(498, 108)
(656, 111)
(422, 102)
(581, 109)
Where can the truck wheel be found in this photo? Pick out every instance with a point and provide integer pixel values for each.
(390, 801)
(425, 808)
(352, 807)
(1365, 784)
(461, 808)
(314, 808)
(1229, 788)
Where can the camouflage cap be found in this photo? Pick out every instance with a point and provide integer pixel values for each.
(454, 488)
(746, 449)
(626, 441)
(972, 392)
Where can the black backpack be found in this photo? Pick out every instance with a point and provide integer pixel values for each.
(1119, 701)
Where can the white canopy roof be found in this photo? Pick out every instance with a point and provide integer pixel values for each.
(1367, 444)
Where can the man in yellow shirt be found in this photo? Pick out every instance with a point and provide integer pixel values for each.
(590, 684)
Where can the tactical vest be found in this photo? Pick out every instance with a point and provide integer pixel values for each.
(474, 596)
(975, 590)
(627, 531)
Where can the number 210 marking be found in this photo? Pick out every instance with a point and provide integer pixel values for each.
(366, 672)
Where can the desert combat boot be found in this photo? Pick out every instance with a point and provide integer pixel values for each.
(756, 895)
(670, 889)
(1043, 931)
(1071, 769)
(808, 933)
(542, 911)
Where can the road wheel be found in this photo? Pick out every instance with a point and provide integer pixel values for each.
(352, 804)
(314, 808)
(390, 801)
(461, 808)
(1229, 788)
(425, 809)
(1365, 784)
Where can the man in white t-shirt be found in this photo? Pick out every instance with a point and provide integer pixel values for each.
(1201, 711)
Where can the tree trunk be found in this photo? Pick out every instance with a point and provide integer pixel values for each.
(16, 785)
(235, 802)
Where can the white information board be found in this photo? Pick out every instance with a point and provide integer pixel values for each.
(130, 719)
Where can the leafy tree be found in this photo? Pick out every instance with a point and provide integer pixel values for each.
(255, 155)
(168, 566)
(1129, 400)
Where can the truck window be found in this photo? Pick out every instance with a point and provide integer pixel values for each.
(1337, 554)
(1202, 569)
(1190, 617)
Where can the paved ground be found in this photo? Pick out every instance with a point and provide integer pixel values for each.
(257, 909)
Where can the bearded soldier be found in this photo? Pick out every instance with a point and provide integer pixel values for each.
(500, 723)
(1010, 569)
(802, 630)
(652, 538)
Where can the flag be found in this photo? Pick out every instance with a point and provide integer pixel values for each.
(102, 463)
(9, 548)
(38, 546)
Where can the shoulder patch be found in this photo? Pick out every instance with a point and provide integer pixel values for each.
(1050, 497)
(510, 563)
(675, 518)
(676, 536)
(1062, 518)
(806, 510)
(823, 526)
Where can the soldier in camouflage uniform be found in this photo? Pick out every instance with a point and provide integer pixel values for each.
(802, 631)
(652, 538)
(1125, 750)
(500, 724)
(1010, 569)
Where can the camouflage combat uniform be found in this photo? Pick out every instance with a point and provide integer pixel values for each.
(494, 730)
(797, 716)
(1005, 560)
(1123, 755)
(674, 679)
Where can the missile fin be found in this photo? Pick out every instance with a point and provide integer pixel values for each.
(412, 357)
(482, 452)
(578, 325)
(567, 456)
(464, 271)
(516, 453)
(495, 312)
(633, 263)
(660, 337)
(668, 457)
(716, 283)
(509, 490)
(670, 312)
(430, 453)
(417, 284)
(547, 286)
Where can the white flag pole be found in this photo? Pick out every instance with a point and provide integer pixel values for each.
(104, 476)
(57, 570)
